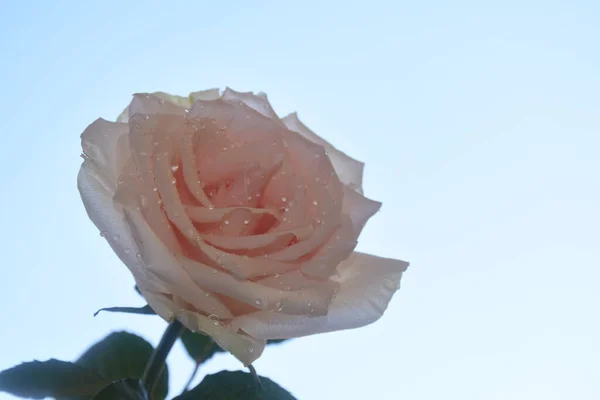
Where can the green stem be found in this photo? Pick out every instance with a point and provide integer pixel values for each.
(156, 364)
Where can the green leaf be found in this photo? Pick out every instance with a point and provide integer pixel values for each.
(125, 389)
(52, 378)
(146, 310)
(236, 385)
(123, 355)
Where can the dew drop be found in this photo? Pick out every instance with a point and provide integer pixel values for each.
(226, 222)
(154, 189)
(246, 222)
(258, 302)
(278, 306)
(138, 255)
(174, 168)
(173, 181)
(127, 251)
(116, 237)
(143, 154)
(211, 207)
(284, 199)
(315, 203)
(102, 233)
(146, 117)
(251, 350)
(155, 143)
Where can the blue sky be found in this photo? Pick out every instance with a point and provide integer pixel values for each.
(480, 127)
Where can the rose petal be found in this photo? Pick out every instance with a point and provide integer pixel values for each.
(244, 267)
(109, 219)
(245, 348)
(310, 301)
(256, 242)
(358, 208)
(349, 170)
(259, 104)
(206, 215)
(210, 94)
(324, 262)
(367, 284)
(105, 144)
(161, 262)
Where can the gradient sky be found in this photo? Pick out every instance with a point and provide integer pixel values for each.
(480, 129)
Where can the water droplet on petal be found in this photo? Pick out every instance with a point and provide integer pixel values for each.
(143, 154)
(146, 117)
(155, 143)
(127, 251)
(278, 306)
(226, 222)
(246, 222)
(211, 207)
(173, 181)
(116, 237)
(174, 168)
(138, 255)
(315, 203)
(258, 302)
(154, 189)
(251, 350)
(284, 199)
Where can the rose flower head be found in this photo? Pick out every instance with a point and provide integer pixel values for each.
(239, 224)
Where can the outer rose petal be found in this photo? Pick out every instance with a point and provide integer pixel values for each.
(349, 170)
(259, 103)
(105, 144)
(180, 101)
(110, 220)
(367, 284)
(245, 348)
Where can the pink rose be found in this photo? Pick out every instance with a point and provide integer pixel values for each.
(237, 223)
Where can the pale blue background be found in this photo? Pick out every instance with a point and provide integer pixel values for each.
(478, 121)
